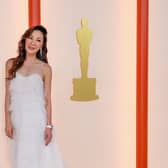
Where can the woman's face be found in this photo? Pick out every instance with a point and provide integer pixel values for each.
(34, 42)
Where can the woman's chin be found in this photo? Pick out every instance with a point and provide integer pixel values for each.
(31, 52)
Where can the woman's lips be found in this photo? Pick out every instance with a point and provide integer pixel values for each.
(31, 48)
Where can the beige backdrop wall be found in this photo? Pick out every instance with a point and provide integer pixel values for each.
(158, 86)
(92, 134)
(14, 21)
(99, 133)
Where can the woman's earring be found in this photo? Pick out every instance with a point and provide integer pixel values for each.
(41, 53)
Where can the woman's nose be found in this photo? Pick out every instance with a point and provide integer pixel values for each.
(32, 42)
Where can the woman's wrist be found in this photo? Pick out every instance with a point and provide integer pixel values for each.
(49, 126)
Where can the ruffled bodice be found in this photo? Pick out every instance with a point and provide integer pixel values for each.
(27, 89)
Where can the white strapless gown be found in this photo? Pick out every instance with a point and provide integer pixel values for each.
(28, 116)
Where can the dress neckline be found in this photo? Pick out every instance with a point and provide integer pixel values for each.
(30, 75)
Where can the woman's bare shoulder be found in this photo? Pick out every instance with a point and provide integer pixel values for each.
(47, 68)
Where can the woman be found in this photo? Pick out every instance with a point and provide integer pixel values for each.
(28, 112)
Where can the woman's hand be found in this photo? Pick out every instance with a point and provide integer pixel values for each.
(48, 135)
(9, 129)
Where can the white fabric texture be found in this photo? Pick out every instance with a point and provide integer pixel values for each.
(28, 115)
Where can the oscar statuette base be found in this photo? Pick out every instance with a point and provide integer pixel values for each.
(84, 89)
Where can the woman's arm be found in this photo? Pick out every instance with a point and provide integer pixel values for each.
(47, 92)
(8, 123)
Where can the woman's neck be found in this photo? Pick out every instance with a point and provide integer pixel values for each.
(30, 58)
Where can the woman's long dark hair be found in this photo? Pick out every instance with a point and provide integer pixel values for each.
(19, 60)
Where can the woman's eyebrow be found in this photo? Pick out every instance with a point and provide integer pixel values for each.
(39, 38)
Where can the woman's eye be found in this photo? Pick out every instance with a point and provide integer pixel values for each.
(39, 40)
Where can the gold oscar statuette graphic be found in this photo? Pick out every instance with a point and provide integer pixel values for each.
(84, 88)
